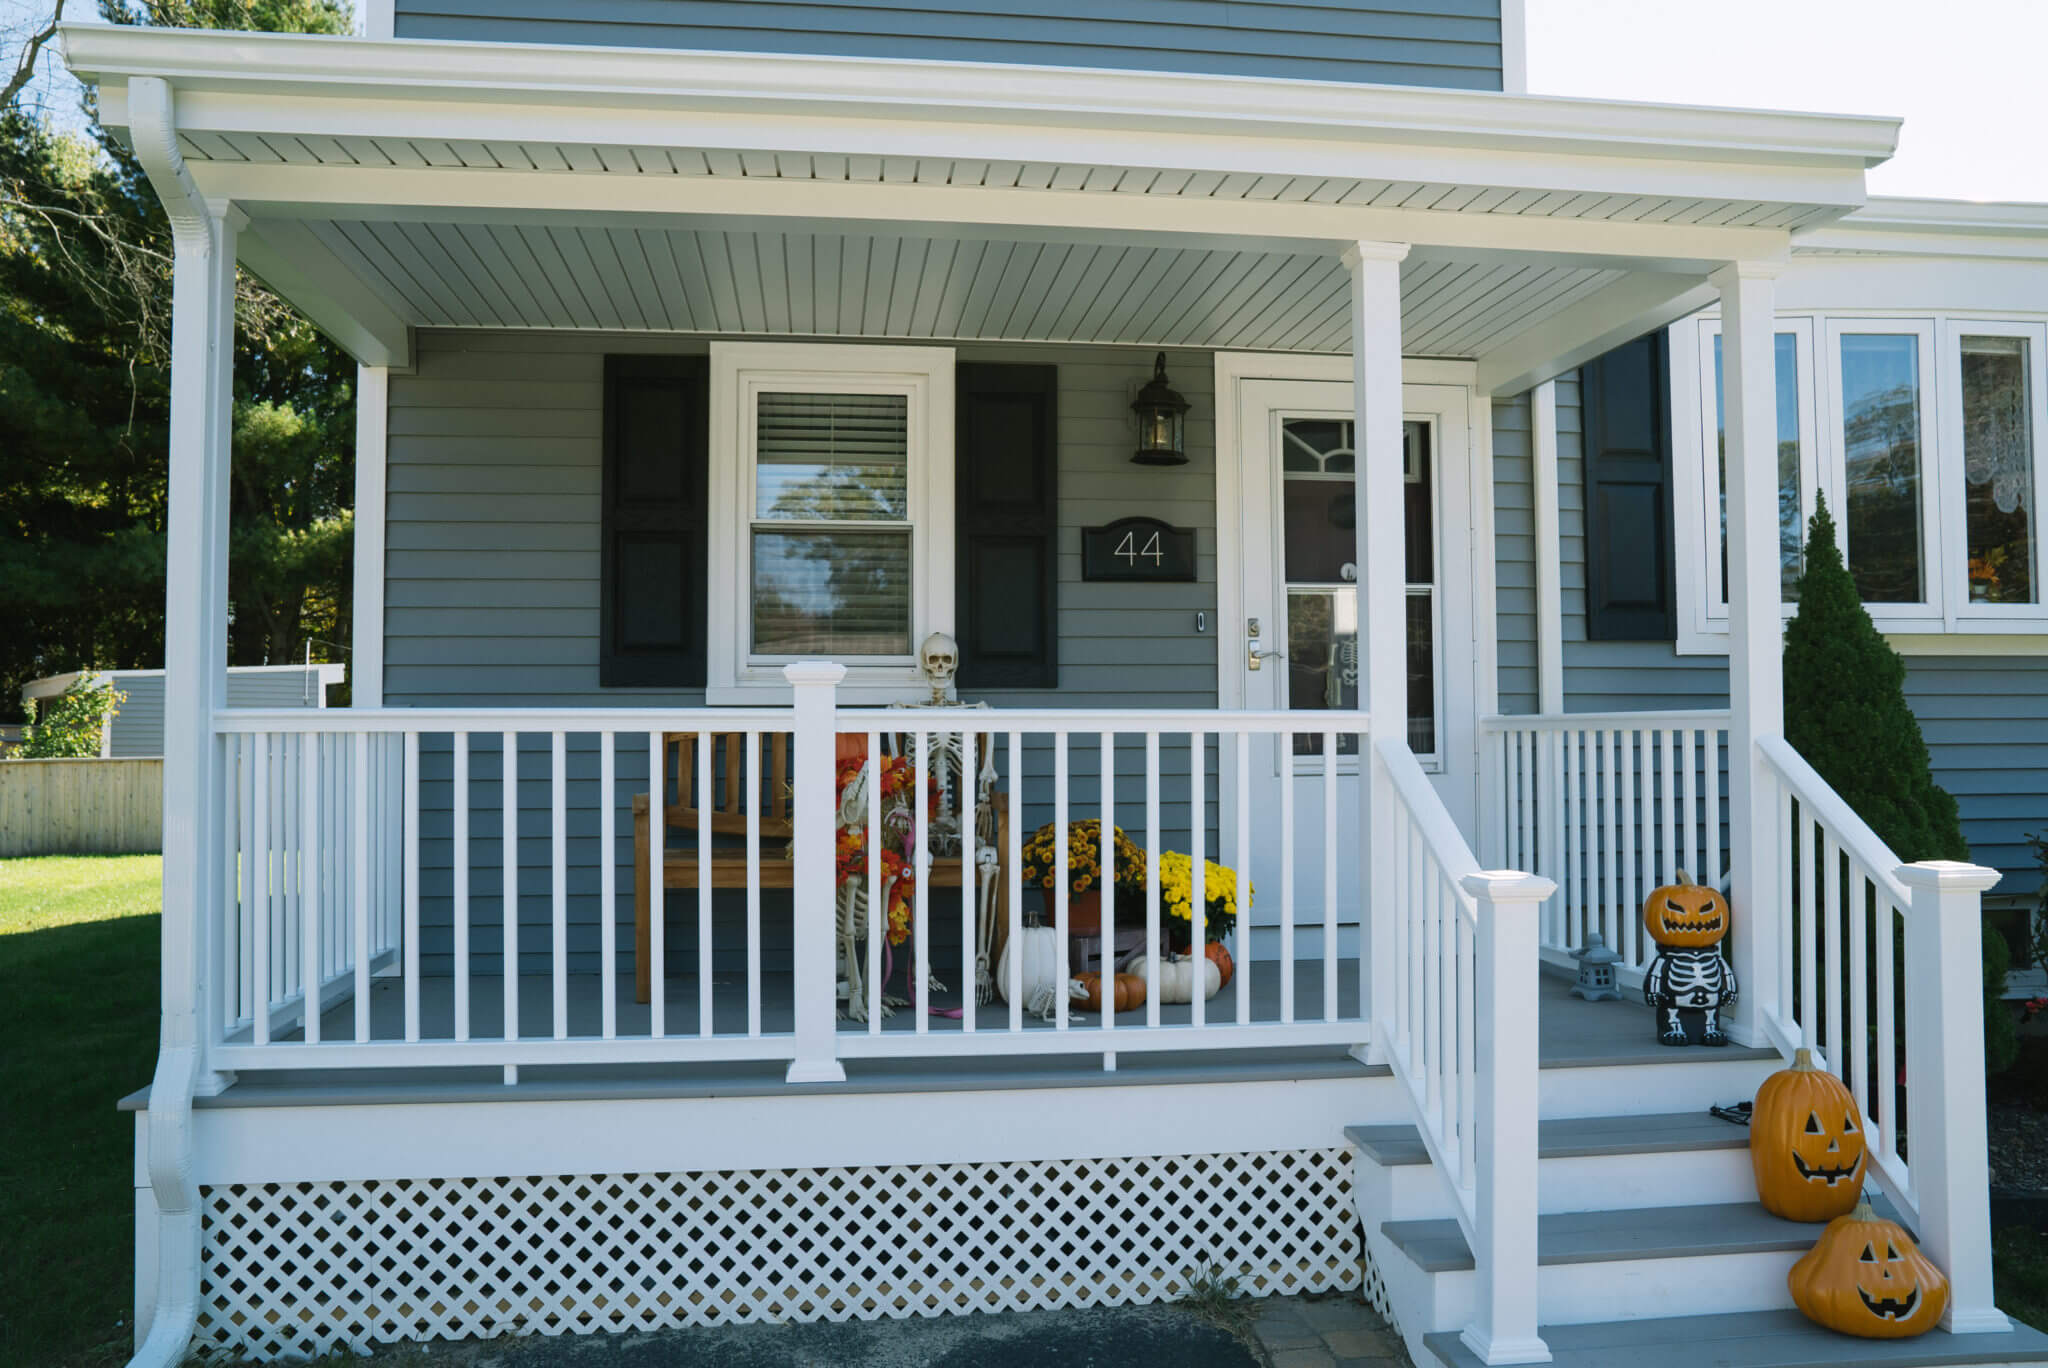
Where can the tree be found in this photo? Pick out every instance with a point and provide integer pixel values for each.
(74, 721)
(1846, 713)
(84, 409)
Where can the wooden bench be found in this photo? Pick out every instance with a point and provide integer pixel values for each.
(732, 776)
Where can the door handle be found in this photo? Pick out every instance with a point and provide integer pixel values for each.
(1253, 656)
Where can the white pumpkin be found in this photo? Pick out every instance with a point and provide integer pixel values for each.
(1037, 951)
(1177, 976)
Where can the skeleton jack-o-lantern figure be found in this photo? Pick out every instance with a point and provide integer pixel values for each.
(1688, 920)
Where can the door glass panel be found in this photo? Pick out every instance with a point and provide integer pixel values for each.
(1998, 469)
(1881, 444)
(1319, 553)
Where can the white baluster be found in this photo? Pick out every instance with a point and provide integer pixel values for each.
(558, 884)
(705, 807)
(750, 776)
(608, 882)
(410, 888)
(657, 892)
(364, 885)
(920, 917)
(508, 896)
(460, 741)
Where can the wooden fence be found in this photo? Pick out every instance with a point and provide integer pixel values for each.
(81, 807)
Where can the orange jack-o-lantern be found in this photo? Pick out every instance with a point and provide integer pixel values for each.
(1219, 955)
(1806, 1144)
(1685, 915)
(1865, 1277)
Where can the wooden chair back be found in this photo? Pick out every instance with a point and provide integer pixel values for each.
(732, 772)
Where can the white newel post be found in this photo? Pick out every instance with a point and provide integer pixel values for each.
(815, 822)
(195, 687)
(1382, 591)
(1945, 1082)
(1756, 633)
(1504, 984)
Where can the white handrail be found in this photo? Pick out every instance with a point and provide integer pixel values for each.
(1457, 1036)
(1597, 721)
(1825, 806)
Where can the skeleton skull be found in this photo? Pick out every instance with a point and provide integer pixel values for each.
(939, 659)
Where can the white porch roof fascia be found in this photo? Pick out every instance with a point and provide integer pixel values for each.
(1891, 226)
(1604, 216)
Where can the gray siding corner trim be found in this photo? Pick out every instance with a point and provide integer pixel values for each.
(1447, 43)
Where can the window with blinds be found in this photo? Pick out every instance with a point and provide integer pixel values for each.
(831, 535)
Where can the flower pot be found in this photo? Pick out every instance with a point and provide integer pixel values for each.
(1084, 911)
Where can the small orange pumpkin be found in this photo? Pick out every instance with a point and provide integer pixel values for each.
(1865, 1277)
(1128, 991)
(1219, 955)
(1685, 915)
(1806, 1143)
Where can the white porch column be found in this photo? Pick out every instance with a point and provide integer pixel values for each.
(195, 686)
(1381, 558)
(366, 645)
(1756, 633)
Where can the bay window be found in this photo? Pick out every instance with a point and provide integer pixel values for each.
(832, 481)
(1924, 433)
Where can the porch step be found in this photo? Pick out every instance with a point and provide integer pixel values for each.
(1573, 1137)
(1753, 1339)
(1575, 1237)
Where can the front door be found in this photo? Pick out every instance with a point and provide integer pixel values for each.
(1289, 631)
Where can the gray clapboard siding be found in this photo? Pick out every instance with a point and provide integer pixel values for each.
(1451, 43)
(491, 597)
(1985, 719)
(1514, 549)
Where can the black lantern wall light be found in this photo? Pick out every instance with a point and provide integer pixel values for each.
(1162, 421)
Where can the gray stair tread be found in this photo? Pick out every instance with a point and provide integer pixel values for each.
(1753, 1339)
(1566, 1237)
(1572, 1137)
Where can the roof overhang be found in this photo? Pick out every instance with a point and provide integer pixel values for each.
(302, 133)
(1933, 228)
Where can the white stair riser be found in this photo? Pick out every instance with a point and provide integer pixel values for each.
(1413, 1294)
(1629, 1182)
(1632, 1289)
(1646, 1089)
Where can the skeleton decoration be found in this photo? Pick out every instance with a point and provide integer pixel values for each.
(938, 660)
(1688, 922)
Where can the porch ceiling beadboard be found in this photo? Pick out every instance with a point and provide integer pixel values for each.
(473, 275)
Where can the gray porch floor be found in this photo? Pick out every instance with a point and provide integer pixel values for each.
(1573, 1034)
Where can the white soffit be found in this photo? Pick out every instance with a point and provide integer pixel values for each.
(814, 284)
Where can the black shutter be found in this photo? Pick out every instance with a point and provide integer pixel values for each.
(1006, 480)
(1627, 417)
(656, 434)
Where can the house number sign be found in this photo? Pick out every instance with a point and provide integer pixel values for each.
(1144, 549)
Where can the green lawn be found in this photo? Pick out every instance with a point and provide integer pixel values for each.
(78, 1011)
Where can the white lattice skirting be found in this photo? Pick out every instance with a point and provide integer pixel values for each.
(305, 1268)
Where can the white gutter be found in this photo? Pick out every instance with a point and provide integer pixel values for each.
(153, 128)
(964, 92)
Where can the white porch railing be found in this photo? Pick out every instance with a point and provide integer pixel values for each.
(1610, 806)
(458, 885)
(1459, 1035)
(1872, 953)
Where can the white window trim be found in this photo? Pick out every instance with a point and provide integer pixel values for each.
(1955, 530)
(739, 370)
(1948, 624)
